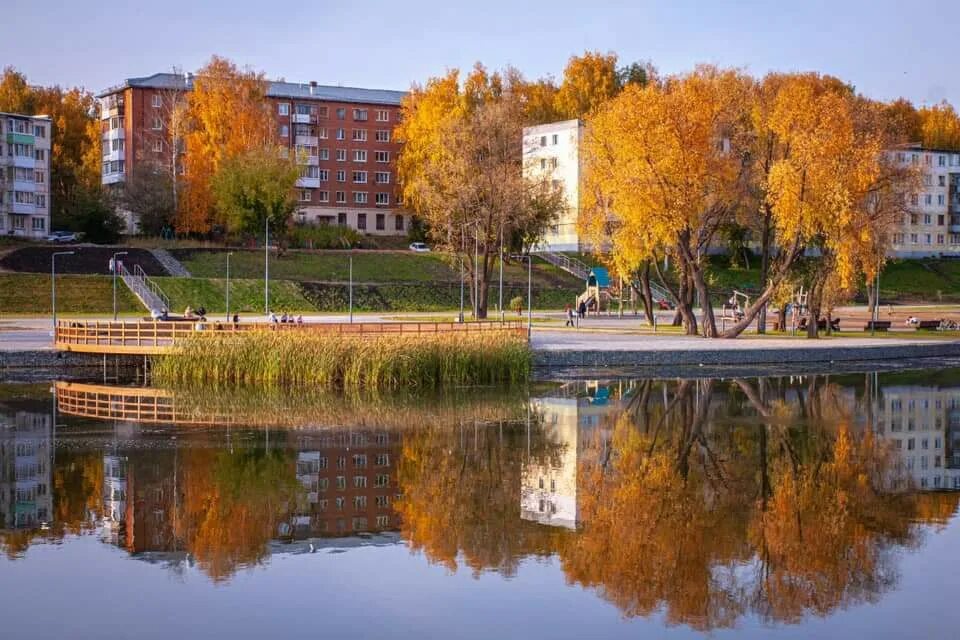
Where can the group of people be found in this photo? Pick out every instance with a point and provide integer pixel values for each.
(285, 318)
(580, 311)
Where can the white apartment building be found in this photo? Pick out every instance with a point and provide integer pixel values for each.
(554, 149)
(932, 227)
(25, 175)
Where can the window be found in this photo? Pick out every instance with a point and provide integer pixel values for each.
(41, 200)
(360, 482)
(309, 172)
(116, 122)
(941, 161)
(324, 196)
(927, 199)
(341, 175)
(324, 154)
(360, 114)
(381, 221)
(927, 238)
(383, 199)
(383, 115)
(382, 177)
(304, 195)
(38, 224)
(284, 131)
(41, 154)
(543, 141)
(341, 155)
(382, 156)
(382, 135)
(360, 177)
(914, 200)
(360, 197)
(359, 155)
(39, 176)
(927, 180)
(342, 219)
(927, 218)
(283, 108)
(940, 199)
(556, 138)
(158, 146)
(157, 124)
(913, 238)
(324, 112)
(341, 197)
(939, 238)
(942, 181)
(361, 221)
(157, 100)
(383, 501)
(341, 134)
(322, 133)
(359, 135)
(940, 219)
(341, 113)
(324, 175)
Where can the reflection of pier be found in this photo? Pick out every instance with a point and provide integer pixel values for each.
(156, 338)
(135, 404)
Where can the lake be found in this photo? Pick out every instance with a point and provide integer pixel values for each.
(806, 505)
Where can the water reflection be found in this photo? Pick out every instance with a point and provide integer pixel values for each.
(706, 500)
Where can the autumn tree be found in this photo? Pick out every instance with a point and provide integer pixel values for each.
(254, 188)
(227, 116)
(940, 126)
(665, 169)
(588, 82)
(461, 168)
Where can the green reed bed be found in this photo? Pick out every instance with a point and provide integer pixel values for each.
(302, 358)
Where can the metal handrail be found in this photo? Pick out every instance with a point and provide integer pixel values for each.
(154, 287)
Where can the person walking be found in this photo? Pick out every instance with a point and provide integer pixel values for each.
(582, 309)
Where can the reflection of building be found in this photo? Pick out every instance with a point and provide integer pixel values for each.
(25, 475)
(923, 423)
(350, 482)
(113, 528)
(574, 427)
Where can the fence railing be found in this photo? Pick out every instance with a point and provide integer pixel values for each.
(136, 404)
(144, 337)
(565, 262)
(148, 291)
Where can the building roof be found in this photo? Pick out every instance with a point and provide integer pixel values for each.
(23, 115)
(548, 127)
(277, 89)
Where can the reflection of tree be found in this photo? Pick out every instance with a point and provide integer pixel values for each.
(232, 504)
(688, 498)
(461, 494)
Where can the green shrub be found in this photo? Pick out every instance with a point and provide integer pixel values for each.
(323, 236)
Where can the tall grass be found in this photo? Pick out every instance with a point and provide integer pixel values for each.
(294, 358)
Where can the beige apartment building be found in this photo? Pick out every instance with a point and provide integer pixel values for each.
(25, 175)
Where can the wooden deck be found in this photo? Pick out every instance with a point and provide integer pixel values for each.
(133, 404)
(156, 338)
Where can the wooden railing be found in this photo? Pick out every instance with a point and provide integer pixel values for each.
(158, 337)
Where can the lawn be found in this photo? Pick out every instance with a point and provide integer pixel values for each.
(30, 293)
(246, 296)
(368, 267)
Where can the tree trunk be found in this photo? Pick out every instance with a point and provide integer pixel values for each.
(709, 322)
(764, 266)
(685, 305)
(782, 318)
(871, 298)
(813, 315)
(646, 293)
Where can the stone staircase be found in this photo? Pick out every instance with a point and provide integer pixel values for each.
(173, 266)
(147, 291)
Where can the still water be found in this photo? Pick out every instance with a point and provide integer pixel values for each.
(794, 507)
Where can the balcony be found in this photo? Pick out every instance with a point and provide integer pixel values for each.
(954, 228)
(27, 186)
(310, 161)
(308, 183)
(20, 138)
(109, 155)
(303, 118)
(21, 208)
(114, 134)
(112, 178)
(110, 107)
(27, 162)
(307, 141)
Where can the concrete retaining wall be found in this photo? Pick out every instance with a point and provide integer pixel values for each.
(740, 356)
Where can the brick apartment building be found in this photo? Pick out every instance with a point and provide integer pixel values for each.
(343, 138)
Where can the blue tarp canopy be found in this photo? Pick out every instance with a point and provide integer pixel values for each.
(598, 277)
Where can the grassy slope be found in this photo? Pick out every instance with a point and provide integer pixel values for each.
(30, 293)
(380, 266)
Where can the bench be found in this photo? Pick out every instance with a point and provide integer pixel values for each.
(928, 325)
(878, 325)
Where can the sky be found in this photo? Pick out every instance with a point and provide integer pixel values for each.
(886, 49)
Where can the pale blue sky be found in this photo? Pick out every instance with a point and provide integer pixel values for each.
(886, 48)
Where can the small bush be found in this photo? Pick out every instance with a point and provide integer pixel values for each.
(324, 236)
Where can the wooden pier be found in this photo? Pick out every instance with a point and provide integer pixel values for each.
(156, 338)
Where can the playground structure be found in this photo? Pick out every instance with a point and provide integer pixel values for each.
(732, 309)
(601, 291)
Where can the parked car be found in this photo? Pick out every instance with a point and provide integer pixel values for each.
(419, 247)
(61, 236)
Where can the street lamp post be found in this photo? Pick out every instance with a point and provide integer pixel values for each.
(476, 275)
(266, 267)
(229, 253)
(113, 267)
(53, 285)
(529, 296)
(351, 286)
(500, 301)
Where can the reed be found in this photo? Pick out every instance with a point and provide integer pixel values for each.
(294, 358)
